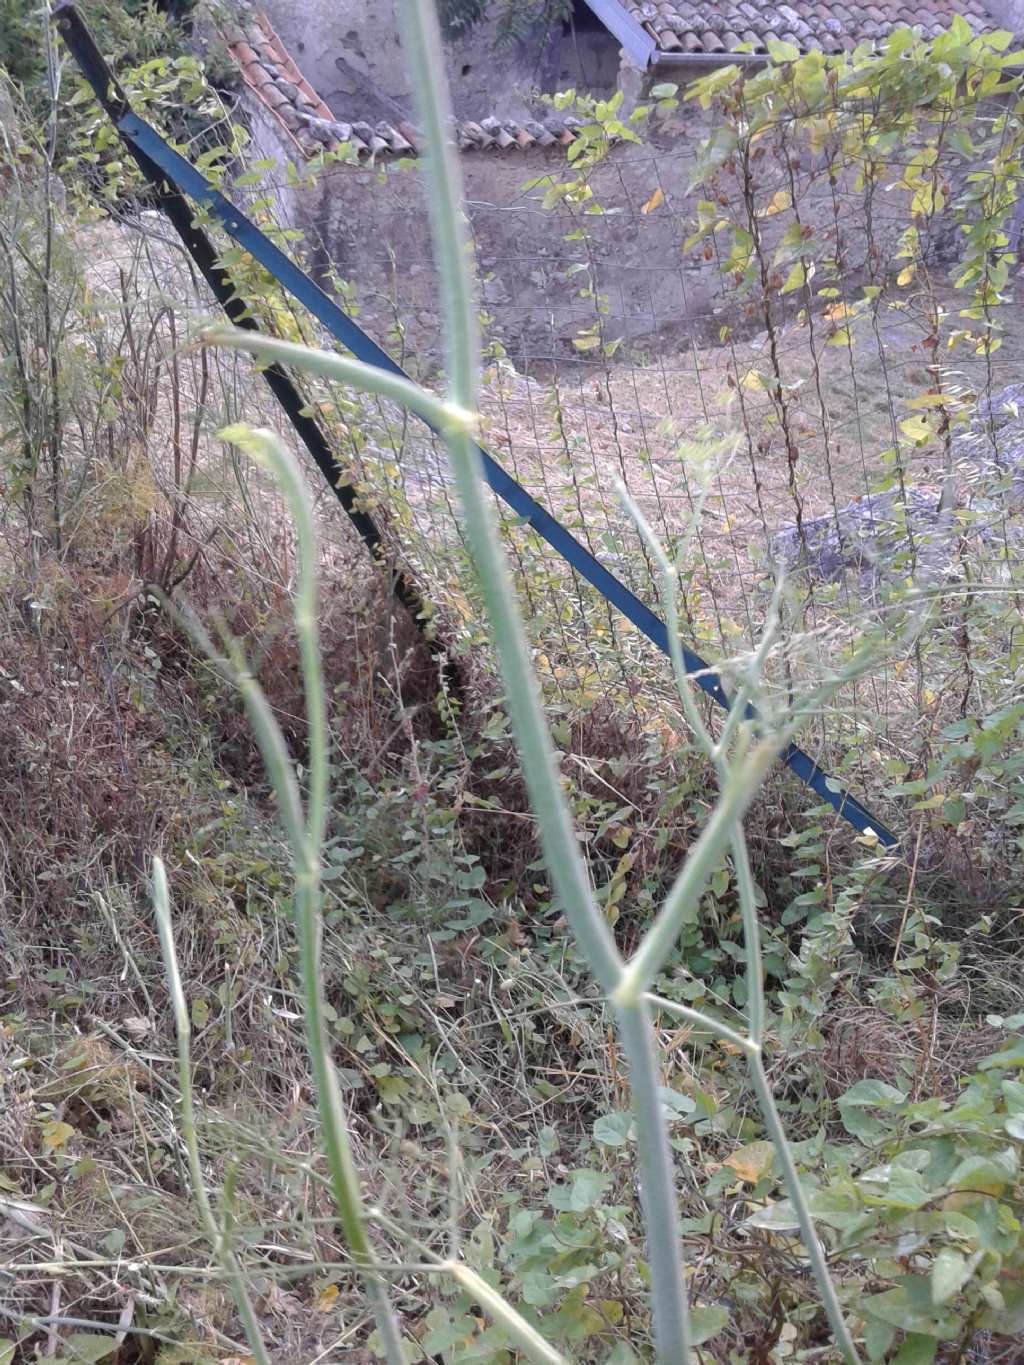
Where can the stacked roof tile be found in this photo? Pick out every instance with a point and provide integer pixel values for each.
(720, 26)
(279, 85)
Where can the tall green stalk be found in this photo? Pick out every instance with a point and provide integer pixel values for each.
(305, 837)
(741, 758)
(305, 832)
(218, 1234)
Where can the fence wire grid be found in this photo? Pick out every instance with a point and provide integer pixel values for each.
(771, 357)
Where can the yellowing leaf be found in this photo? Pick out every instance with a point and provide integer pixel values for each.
(56, 1135)
(916, 428)
(326, 1299)
(795, 279)
(656, 199)
(752, 1161)
(906, 274)
(200, 1012)
(837, 311)
(586, 343)
(780, 201)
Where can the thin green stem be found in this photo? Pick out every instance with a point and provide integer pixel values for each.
(187, 1120)
(669, 1307)
(751, 938)
(752, 1045)
(702, 1021)
(808, 1232)
(445, 200)
(701, 862)
(568, 871)
(265, 447)
(305, 837)
(442, 415)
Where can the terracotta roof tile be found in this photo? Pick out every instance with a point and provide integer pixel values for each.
(833, 25)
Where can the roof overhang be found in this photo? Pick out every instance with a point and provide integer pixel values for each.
(634, 38)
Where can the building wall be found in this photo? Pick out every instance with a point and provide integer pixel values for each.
(369, 225)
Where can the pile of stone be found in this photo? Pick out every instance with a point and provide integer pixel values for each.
(915, 530)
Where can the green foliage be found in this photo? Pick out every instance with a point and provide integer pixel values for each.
(21, 48)
(927, 1197)
(171, 90)
(481, 1077)
(128, 32)
(516, 21)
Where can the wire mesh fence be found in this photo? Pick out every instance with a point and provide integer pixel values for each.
(785, 354)
(778, 320)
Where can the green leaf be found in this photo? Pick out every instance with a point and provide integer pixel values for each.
(950, 1272)
(796, 278)
(878, 1337)
(7, 1347)
(89, 1347)
(1011, 1056)
(444, 1331)
(871, 1094)
(916, 1350)
(895, 1308)
(613, 1129)
(583, 1193)
(706, 1321)
(782, 52)
(777, 1217)
(916, 429)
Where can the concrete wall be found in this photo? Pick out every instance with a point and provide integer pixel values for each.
(369, 225)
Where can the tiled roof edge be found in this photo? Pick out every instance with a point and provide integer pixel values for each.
(685, 34)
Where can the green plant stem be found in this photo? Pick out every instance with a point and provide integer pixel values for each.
(187, 1119)
(438, 413)
(562, 853)
(445, 199)
(753, 1044)
(525, 1337)
(669, 1306)
(701, 1021)
(305, 840)
(701, 862)
(538, 757)
(797, 1197)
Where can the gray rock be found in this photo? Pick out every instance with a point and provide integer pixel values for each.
(876, 534)
(891, 534)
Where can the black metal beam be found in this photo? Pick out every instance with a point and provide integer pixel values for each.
(197, 243)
